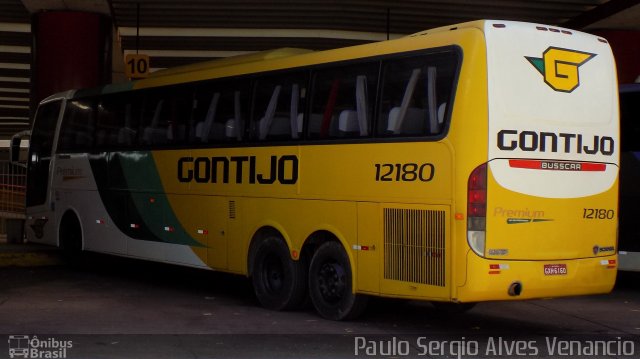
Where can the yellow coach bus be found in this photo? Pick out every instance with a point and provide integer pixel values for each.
(470, 163)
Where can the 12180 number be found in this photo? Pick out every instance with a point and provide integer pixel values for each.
(404, 172)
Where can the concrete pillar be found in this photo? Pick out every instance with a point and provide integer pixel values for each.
(71, 50)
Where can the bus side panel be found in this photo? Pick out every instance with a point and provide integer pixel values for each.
(75, 180)
(390, 181)
(416, 251)
(468, 136)
(369, 247)
(405, 172)
(404, 250)
(205, 219)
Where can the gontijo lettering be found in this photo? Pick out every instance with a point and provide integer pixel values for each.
(532, 141)
(281, 169)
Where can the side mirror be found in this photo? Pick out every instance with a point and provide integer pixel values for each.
(14, 148)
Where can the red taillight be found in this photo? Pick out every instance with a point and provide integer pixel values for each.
(477, 192)
(477, 210)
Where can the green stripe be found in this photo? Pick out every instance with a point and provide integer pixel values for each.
(141, 175)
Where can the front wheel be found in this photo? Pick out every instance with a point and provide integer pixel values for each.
(278, 280)
(330, 284)
(70, 238)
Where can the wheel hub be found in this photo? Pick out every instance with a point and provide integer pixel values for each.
(331, 282)
(273, 275)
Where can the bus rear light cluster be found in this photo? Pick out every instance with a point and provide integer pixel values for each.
(477, 209)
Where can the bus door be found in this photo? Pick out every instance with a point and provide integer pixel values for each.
(41, 222)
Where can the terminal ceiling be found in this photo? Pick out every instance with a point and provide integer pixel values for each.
(181, 32)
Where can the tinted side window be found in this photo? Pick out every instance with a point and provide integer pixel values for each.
(165, 116)
(78, 126)
(117, 121)
(218, 115)
(416, 95)
(343, 101)
(278, 107)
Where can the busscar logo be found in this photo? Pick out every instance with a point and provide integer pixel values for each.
(559, 67)
(597, 249)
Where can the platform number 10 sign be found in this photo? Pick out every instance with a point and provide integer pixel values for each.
(136, 66)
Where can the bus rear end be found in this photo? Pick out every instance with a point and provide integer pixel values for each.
(542, 211)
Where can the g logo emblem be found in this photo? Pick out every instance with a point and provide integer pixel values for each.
(560, 67)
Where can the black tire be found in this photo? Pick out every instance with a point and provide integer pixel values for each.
(330, 284)
(70, 236)
(278, 281)
(450, 308)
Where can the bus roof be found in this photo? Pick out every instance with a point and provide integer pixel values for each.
(478, 24)
(233, 60)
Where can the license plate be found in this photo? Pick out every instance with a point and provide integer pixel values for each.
(555, 269)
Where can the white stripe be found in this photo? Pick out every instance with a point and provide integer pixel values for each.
(271, 33)
(14, 106)
(14, 27)
(7, 65)
(5, 89)
(14, 79)
(10, 124)
(15, 49)
(17, 99)
(12, 118)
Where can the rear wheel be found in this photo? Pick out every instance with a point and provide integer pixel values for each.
(330, 284)
(278, 281)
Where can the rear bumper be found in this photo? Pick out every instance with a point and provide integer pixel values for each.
(489, 279)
